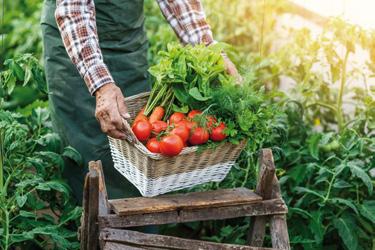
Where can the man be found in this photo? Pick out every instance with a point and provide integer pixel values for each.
(114, 66)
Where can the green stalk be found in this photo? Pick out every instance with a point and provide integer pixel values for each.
(155, 101)
(6, 229)
(340, 118)
(168, 110)
(1, 161)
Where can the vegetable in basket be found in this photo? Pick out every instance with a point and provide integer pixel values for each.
(200, 103)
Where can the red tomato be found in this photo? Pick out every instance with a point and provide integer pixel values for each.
(171, 145)
(193, 113)
(188, 124)
(211, 122)
(217, 134)
(142, 130)
(182, 131)
(176, 117)
(198, 136)
(153, 145)
(158, 126)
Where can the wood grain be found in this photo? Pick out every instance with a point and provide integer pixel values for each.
(279, 232)
(216, 198)
(274, 206)
(264, 188)
(165, 242)
(89, 239)
(104, 207)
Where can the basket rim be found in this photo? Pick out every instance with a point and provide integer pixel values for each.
(186, 150)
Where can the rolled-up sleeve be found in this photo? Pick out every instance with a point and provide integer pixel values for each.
(188, 20)
(77, 24)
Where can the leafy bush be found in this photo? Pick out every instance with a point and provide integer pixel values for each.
(36, 210)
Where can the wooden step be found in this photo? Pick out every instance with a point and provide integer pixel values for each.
(176, 202)
(115, 239)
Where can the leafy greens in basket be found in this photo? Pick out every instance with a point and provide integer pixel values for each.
(194, 77)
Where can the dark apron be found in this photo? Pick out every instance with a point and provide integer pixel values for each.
(124, 46)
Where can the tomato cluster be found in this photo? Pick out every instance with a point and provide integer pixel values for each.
(179, 131)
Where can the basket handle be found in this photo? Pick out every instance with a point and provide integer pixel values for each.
(129, 133)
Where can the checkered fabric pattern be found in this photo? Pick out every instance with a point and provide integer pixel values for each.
(77, 25)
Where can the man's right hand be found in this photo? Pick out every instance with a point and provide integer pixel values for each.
(110, 109)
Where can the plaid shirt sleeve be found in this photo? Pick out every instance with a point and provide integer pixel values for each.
(77, 25)
(188, 20)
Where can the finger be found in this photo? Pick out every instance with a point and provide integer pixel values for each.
(122, 107)
(114, 133)
(116, 121)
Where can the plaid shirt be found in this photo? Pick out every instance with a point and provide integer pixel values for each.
(77, 25)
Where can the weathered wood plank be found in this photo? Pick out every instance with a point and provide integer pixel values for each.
(279, 232)
(111, 245)
(274, 206)
(118, 246)
(93, 210)
(267, 173)
(104, 207)
(264, 188)
(216, 198)
(169, 242)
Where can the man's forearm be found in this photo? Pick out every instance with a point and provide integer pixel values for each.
(77, 25)
(188, 20)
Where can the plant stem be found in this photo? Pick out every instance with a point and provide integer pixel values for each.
(329, 188)
(6, 230)
(1, 161)
(340, 118)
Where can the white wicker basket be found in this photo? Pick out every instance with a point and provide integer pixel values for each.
(154, 174)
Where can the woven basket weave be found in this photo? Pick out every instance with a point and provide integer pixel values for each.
(154, 174)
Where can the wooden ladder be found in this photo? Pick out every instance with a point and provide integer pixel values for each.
(104, 221)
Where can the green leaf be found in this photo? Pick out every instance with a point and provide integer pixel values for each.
(11, 84)
(308, 191)
(73, 154)
(313, 144)
(27, 76)
(183, 109)
(355, 168)
(71, 215)
(27, 214)
(367, 210)
(18, 71)
(51, 141)
(346, 203)
(21, 200)
(316, 226)
(194, 92)
(347, 232)
(54, 185)
(180, 93)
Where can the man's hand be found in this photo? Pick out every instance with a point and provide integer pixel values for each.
(231, 68)
(110, 109)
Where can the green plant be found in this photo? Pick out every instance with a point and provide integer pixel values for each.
(36, 211)
(21, 82)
